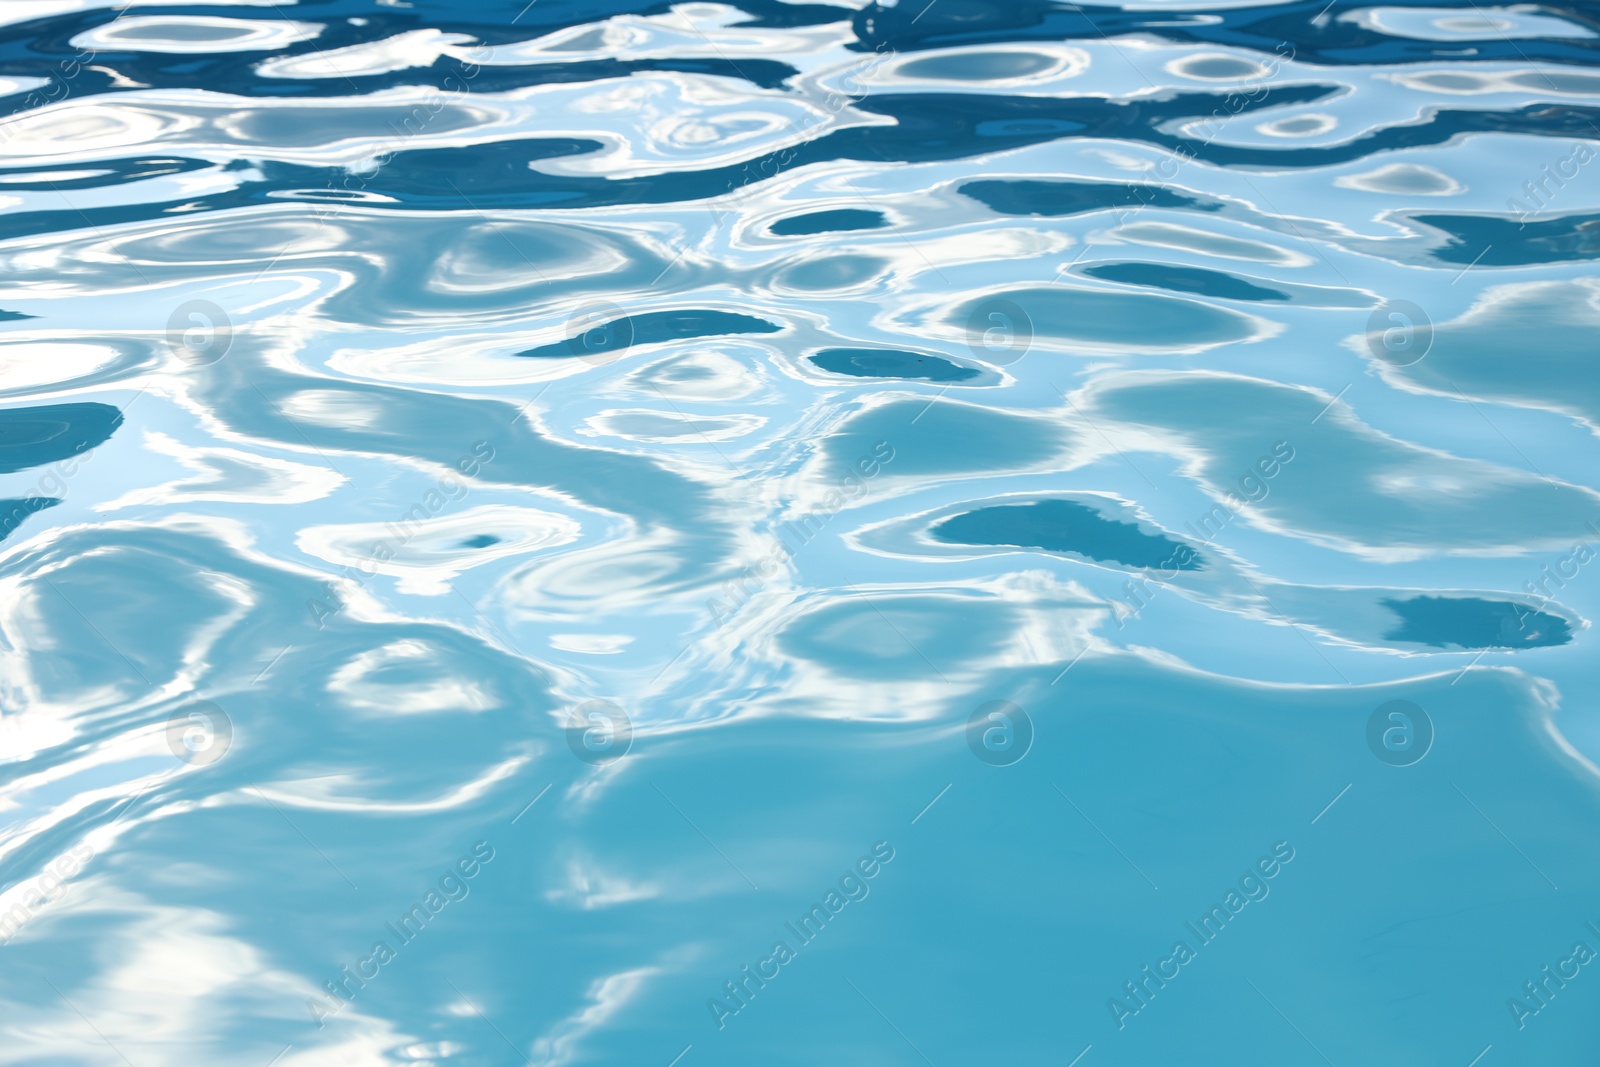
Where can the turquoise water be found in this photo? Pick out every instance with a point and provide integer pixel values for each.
(959, 533)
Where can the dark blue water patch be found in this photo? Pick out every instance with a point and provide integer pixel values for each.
(480, 541)
(1025, 126)
(1027, 196)
(1067, 526)
(978, 66)
(922, 126)
(845, 218)
(1508, 241)
(40, 47)
(957, 114)
(1561, 122)
(925, 128)
(490, 21)
(437, 177)
(651, 328)
(1185, 280)
(32, 437)
(1470, 622)
(1317, 39)
(12, 512)
(448, 76)
(904, 28)
(891, 363)
(67, 177)
(14, 316)
(49, 52)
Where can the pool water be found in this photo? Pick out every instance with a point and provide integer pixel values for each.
(763, 532)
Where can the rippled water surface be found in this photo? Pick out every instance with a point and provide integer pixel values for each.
(798, 533)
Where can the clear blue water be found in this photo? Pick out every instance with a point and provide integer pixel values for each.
(785, 533)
